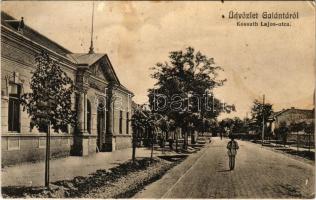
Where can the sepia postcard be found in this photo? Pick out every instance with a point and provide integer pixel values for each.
(158, 99)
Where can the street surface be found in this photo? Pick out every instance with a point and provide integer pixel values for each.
(259, 173)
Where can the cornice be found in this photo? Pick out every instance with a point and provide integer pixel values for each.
(34, 46)
(27, 65)
(100, 80)
(8, 134)
(119, 88)
(121, 135)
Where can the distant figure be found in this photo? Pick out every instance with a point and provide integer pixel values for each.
(232, 147)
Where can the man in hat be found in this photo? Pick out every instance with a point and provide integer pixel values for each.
(232, 147)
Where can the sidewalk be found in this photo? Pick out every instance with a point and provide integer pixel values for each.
(294, 147)
(32, 174)
(291, 151)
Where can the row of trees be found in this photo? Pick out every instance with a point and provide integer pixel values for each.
(261, 116)
(182, 99)
(145, 121)
(282, 132)
(183, 92)
(187, 74)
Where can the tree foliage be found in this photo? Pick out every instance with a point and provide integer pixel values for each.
(260, 112)
(187, 82)
(234, 125)
(52, 87)
(282, 132)
(310, 128)
(297, 126)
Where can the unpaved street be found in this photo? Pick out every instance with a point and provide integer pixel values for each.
(259, 173)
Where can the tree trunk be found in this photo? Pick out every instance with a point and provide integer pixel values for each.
(297, 141)
(134, 147)
(152, 148)
(192, 137)
(176, 141)
(163, 143)
(185, 143)
(309, 142)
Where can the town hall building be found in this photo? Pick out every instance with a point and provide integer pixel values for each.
(103, 104)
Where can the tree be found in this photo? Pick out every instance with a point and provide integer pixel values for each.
(49, 103)
(184, 88)
(260, 112)
(234, 125)
(226, 125)
(138, 123)
(238, 125)
(282, 132)
(309, 129)
(49, 84)
(297, 127)
(164, 127)
(144, 120)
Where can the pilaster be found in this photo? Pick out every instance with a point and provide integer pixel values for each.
(108, 144)
(82, 144)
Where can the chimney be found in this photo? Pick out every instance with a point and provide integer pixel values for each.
(16, 24)
(21, 25)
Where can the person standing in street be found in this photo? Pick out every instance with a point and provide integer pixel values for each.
(232, 148)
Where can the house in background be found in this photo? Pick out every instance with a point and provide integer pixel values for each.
(292, 115)
(103, 104)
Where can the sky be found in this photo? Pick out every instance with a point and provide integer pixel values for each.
(276, 61)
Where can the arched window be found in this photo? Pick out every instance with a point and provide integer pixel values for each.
(88, 116)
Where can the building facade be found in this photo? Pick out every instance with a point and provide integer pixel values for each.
(103, 104)
(294, 115)
(291, 115)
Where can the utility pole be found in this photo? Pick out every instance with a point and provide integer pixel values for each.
(262, 135)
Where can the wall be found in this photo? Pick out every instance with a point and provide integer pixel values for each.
(123, 103)
(293, 115)
(122, 142)
(26, 145)
(17, 57)
(31, 147)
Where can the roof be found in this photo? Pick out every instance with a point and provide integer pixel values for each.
(91, 58)
(85, 58)
(13, 24)
(77, 58)
(275, 114)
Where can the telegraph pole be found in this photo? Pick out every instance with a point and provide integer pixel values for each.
(262, 135)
